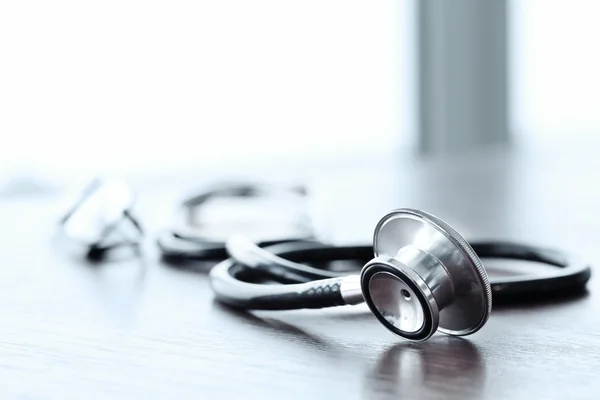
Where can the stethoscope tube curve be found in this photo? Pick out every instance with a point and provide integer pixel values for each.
(235, 280)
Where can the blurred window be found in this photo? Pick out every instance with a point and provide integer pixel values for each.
(146, 86)
(556, 68)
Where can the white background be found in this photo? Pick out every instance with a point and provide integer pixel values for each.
(555, 69)
(147, 86)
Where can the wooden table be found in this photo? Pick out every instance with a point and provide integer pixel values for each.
(144, 330)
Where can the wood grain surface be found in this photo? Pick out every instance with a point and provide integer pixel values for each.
(141, 329)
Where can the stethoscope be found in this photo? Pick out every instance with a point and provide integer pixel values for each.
(190, 238)
(422, 276)
(418, 277)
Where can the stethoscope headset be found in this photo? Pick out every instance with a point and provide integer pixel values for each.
(419, 276)
(190, 238)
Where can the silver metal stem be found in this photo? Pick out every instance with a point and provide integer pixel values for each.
(431, 270)
(351, 290)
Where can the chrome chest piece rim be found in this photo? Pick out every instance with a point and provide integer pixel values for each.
(425, 277)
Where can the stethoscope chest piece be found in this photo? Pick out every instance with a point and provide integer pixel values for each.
(424, 277)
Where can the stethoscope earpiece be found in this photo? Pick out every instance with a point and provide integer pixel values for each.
(424, 277)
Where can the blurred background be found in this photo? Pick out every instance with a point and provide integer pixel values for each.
(445, 106)
(152, 88)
